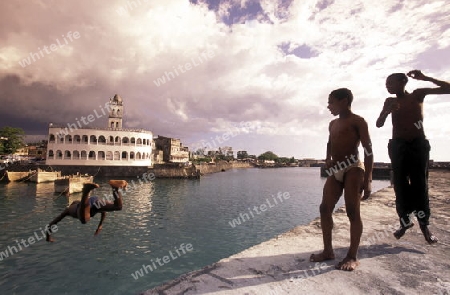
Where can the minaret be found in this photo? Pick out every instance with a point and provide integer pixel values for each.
(115, 112)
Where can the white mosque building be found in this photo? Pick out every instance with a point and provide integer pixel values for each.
(79, 144)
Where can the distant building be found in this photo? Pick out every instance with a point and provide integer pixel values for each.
(227, 151)
(173, 150)
(308, 162)
(111, 146)
(37, 151)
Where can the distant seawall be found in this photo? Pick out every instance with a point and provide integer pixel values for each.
(221, 166)
(170, 170)
(380, 173)
(175, 170)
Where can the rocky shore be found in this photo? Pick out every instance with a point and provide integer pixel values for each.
(387, 266)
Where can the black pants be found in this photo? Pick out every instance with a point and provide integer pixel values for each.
(410, 167)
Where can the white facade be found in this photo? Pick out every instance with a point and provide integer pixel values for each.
(100, 147)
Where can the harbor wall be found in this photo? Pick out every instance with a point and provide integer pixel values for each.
(379, 173)
(170, 170)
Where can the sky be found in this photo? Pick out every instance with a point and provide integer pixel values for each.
(198, 70)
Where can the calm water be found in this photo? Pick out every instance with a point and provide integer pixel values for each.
(156, 218)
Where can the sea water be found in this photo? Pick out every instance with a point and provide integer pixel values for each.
(167, 227)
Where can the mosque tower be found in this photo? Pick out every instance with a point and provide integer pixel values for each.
(115, 112)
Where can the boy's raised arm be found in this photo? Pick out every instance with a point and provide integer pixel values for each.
(444, 87)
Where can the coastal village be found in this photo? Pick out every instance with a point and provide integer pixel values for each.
(75, 148)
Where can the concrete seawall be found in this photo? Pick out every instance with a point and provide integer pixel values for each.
(377, 173)
(387, 266)
(221, 166)
(194, 171)
(173, 170)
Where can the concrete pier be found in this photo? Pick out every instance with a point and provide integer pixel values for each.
(387, 266)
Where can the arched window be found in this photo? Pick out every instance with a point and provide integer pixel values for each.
(133, 141)
(68, 139)
(138, 156)
(139, 141)
(131, 155)
(50, 154)
(51, 138)
(83, 155)
(59, 154)
(76, 139)
(101, 139)
(101, 155)
(116, 156)
(93, 139)
(109, 156)
(67, 155)
(124, 156)
(125, 141)
(111, 140)
(117, 140)
(76, 155)
(92, 155)
(84, 139)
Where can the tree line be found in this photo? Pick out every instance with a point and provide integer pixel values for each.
(11, 139)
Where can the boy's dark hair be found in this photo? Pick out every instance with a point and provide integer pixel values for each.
(342, 93)
(399, 77)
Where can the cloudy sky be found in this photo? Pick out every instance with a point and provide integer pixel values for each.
(196, 69)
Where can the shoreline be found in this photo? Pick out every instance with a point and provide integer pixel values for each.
(168, 170)
(387, 266)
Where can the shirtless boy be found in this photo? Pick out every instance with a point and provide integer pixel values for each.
(409, 150)
(89, 206)
(349, 176)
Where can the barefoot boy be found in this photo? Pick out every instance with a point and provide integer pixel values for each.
(89, 206)
(409, 150)
(347, 173)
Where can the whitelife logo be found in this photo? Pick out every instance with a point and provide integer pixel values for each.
(53, 47)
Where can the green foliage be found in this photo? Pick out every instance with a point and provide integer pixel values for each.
(285, 160)
(268, 156)
(200, 152)
(202, 160)
(12, 139)
(242, 155)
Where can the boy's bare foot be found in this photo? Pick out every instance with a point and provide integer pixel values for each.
(402, 230)
(49, 238)
(118, 183)
(429, 237)
(87, 187)
(348, 264)
(321, 257)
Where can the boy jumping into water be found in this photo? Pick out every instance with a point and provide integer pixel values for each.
(409, 149)
(348, 175)
(89, 206)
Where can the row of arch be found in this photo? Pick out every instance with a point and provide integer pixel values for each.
(100, 155)
(92, 139)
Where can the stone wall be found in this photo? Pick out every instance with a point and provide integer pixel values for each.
(171, 170)
(221, 166)
(175, 170)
